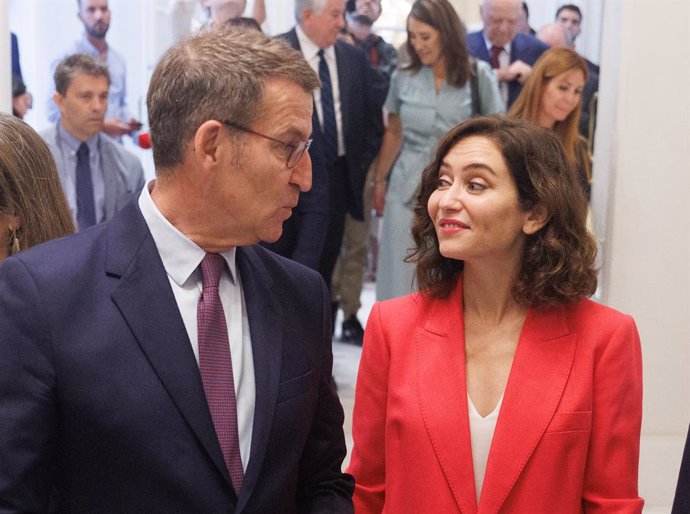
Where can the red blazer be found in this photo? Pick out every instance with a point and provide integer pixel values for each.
(567, 435)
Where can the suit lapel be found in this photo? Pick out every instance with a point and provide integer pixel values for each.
(538, 376)
(147, 303)
(266, 328)
(109, 170)
(442, 395)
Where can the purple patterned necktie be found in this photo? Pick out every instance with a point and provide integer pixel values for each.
(215, 364)
(494, 53)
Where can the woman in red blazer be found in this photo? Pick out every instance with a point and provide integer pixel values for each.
(499, 387)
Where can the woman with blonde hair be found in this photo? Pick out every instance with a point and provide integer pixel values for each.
(33, 208)
(552, 98)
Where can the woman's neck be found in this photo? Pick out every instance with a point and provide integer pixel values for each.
(488, 294)
(546, 121)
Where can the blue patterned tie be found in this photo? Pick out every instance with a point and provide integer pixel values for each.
(86, 206)
(330, 131)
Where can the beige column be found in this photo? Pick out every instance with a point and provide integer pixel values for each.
(641, 202)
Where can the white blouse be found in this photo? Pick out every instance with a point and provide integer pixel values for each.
(481, 434)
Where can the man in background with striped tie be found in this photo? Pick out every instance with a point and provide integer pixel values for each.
(343, 123)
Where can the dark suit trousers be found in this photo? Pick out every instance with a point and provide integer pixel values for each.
(339, 199)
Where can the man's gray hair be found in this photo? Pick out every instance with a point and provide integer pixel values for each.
(78, 64)
(312, 5)
(218, 74)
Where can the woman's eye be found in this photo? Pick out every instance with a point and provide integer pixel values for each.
(475, 187)
(442, 183)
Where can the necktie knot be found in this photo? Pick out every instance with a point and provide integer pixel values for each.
(83, 150)
(212, 267)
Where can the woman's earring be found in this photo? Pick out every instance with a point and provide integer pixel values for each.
(14, 241)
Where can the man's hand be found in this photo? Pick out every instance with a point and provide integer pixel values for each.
(517, 70)
(115, 127)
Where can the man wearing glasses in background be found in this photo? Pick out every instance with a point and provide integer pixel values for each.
(161, 361)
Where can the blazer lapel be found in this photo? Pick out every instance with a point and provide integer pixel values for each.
(266, 328)
(442, 395)
(538, 376)
(147, 303)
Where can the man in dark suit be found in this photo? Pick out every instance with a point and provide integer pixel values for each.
(343, 132)
(510, 53)
(161, 361)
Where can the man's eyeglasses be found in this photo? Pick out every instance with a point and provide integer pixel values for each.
(295, 150)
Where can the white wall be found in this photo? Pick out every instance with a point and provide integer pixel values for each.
(641, 199)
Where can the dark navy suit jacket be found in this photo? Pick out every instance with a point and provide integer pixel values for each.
(523, 48)
(360, 101)
(16, 65)
(102, 407)
(681, 503)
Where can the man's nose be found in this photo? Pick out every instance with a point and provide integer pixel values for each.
(301, 173)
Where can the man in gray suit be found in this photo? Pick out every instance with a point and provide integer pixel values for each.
(98, 175)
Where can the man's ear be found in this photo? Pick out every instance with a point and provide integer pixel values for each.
(538, 217)
(206, 142)
(59, 100)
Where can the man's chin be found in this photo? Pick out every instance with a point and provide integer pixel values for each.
(99, 34)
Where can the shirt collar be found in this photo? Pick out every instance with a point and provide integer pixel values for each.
(72, 143)
(92, 49)
(311, 49)
(488, 44)
(180, 255)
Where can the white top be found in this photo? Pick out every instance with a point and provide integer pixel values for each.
(481, 434)
(181, 259)
(310, 50)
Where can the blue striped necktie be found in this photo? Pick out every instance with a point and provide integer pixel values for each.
(329, 129)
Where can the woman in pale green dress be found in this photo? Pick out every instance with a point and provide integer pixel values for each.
(426, 99)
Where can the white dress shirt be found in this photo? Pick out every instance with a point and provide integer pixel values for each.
(503, 62)
(181, 259)
(311, 53)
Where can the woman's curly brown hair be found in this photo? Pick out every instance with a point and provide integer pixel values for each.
(558, 261)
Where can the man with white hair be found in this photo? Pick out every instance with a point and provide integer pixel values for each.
(510, 53)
